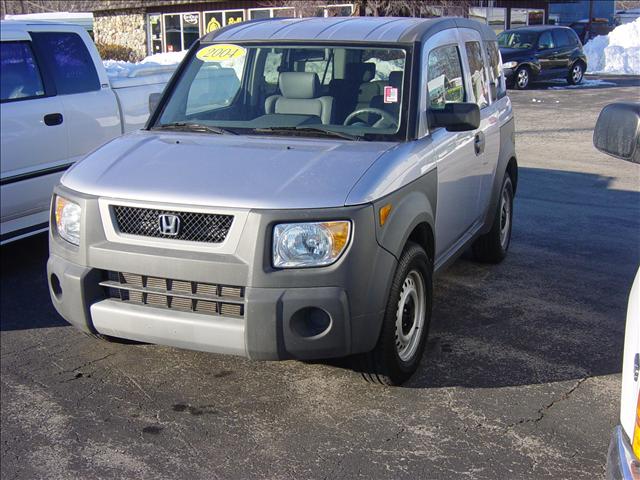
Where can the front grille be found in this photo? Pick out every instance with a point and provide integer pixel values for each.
(194, 227)
(206, 298)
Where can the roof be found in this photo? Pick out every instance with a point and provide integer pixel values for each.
(344, 29)
(536, 28)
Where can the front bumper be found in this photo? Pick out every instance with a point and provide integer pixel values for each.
(509, 73)
(277, 305)
(622, 463)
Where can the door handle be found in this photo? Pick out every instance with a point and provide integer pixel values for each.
(478, 143)
(53, 119)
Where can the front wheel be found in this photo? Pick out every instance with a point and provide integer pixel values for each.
(492, 247)
(522, 78)
(405, 326)
(576, 74)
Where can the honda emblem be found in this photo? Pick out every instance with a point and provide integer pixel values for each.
(169, 224)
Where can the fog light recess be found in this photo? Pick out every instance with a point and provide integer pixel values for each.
(310, 322)
(56, 288)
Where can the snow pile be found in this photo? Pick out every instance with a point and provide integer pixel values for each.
(618, 52)
(161, 62)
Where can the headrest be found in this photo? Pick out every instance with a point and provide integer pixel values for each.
(299, 84)
(361, 72)
(395, 79)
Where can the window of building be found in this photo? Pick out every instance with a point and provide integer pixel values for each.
(444, 77)
(478, 73)
(216, 19)
(154, 27)
(257, 13)
(522, 17)
(20, 74)
(495, 17)
(497, 86)
(70, 62)
(181, 30)
(344, 10)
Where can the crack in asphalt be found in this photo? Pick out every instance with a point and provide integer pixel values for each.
(543, 410)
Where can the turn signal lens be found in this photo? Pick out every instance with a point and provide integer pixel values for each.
(384, 213)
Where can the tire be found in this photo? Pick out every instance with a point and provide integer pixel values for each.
(522, 78)
(493, 246)
(576, 73)
(405, 326)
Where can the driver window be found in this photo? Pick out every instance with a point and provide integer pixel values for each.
(444, 77)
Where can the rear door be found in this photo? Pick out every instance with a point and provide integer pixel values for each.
(546, 53)
(34, 147)
(564, 49)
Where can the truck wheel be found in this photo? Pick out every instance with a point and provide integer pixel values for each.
(492, 247)
(406, 321)
(576, 74)
(521, 78)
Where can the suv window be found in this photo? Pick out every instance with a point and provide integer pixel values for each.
(20, 75)
(272, 66)
(478, 74)
(69, 61)
(444, 77)
(495, 70)
(545, 41)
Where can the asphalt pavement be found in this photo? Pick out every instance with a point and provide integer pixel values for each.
(521, 377)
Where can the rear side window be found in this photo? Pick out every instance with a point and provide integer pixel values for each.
(69, 61)
(20, 77)
(495, 70)
(444, 77)
(546, 41)
(479, 81)
(564, 38)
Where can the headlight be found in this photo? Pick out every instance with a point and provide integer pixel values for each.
(509, 64)
(309, 244)
(68, 219)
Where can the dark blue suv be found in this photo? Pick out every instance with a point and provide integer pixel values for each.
(541, 52)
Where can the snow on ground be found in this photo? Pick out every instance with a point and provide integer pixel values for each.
(618, 52)
(586, 83)
(160, 62)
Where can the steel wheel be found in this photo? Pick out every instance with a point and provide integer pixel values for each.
(505, 218)
(410, 315)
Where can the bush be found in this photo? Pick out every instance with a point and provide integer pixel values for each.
(111, 51)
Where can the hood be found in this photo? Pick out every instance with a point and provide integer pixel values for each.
(225, 170)
(515, 53)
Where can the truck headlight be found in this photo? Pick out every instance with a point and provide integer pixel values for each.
(68, 219)
(309, 244)
(509, 64)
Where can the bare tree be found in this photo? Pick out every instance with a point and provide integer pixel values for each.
(627, 4)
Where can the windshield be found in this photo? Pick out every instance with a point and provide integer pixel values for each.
(517, 39)
(354, 93)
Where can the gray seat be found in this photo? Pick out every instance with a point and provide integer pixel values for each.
(300, 97)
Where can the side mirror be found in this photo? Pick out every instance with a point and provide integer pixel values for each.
(455, 117)
(617, 131)
(154, 100)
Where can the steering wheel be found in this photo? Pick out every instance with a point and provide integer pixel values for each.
(384, 116)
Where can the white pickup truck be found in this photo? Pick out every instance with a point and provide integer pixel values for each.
(57, 105)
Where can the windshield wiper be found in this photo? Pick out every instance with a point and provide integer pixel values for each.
(325, 131)
(194, 127)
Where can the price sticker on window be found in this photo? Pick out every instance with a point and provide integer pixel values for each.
(220, 52)
(390, 94)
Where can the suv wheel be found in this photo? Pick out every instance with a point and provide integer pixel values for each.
(576, 74)
(405, 327)
(493, 246)
(521, 79)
